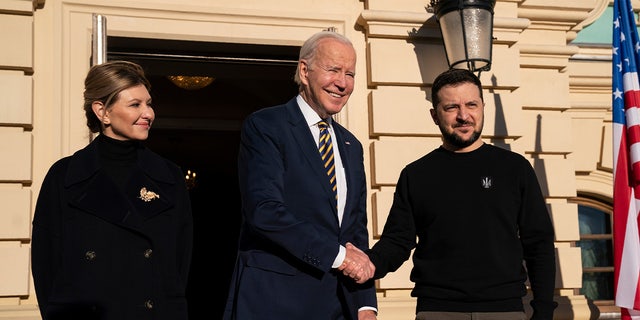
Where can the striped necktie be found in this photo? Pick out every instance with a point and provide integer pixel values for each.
(326, 152)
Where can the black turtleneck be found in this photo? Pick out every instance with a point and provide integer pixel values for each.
(117, 157)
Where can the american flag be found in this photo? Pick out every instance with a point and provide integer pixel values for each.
(626, 160)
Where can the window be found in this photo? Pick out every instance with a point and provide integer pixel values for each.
(597, 254)
(596, 245)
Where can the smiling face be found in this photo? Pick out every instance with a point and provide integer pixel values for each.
(460, 116)
(328, 78)
(129, 117)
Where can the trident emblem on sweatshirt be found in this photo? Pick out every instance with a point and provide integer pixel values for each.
(486, 182)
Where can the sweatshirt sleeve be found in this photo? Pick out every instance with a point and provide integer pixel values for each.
(537, 237)
(399, 233)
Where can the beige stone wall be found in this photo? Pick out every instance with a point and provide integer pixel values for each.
(16, 143)
(545, 99)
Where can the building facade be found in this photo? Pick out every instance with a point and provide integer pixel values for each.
(548, 97)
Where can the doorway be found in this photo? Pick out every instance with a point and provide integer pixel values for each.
(200, 131)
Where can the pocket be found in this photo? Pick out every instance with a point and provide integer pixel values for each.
(269, 262)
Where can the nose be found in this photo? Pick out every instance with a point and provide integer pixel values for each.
(341, 80)
(147, 112)
(463, 114)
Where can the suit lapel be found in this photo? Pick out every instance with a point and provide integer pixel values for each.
(95, 193)
(301, 133)
(100, 197)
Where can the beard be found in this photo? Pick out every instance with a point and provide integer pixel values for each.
(455, 140)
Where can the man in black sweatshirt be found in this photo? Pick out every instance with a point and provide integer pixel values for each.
(476, 217)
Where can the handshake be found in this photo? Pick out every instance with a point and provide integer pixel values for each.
(357, 265)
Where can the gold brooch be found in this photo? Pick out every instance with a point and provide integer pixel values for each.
(147, 196)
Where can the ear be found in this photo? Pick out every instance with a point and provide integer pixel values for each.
(303, 71)
(101, 112)
(434, 116)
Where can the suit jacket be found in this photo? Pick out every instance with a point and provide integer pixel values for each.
(99, 252)
(290, 233)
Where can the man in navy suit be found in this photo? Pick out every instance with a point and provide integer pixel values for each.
(297, 233)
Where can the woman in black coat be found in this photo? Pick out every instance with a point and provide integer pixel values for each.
(113, 230)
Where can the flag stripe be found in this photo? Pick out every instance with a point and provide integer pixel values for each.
(626, 160)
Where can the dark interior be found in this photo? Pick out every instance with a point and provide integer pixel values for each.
(200, 131)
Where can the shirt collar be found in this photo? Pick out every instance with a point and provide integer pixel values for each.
(309, 114)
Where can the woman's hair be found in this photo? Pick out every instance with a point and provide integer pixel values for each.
(104, 82)
(310, 47)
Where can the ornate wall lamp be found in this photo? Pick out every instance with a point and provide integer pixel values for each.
(466, 27)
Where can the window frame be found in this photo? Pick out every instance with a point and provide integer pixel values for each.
(606, 307)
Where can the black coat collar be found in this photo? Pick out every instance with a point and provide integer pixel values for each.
(94, 192)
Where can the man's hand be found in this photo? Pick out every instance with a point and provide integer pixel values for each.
(366, 315)
(357, 265)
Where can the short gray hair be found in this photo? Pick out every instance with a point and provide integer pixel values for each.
(310, 47)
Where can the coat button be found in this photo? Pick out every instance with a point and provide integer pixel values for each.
(147, 253)
(90, 255)
(148, 304)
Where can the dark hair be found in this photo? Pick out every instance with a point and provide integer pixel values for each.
(104, 82)
(453, 77)
(310, 47)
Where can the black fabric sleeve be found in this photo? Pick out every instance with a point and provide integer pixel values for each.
(399, 233)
